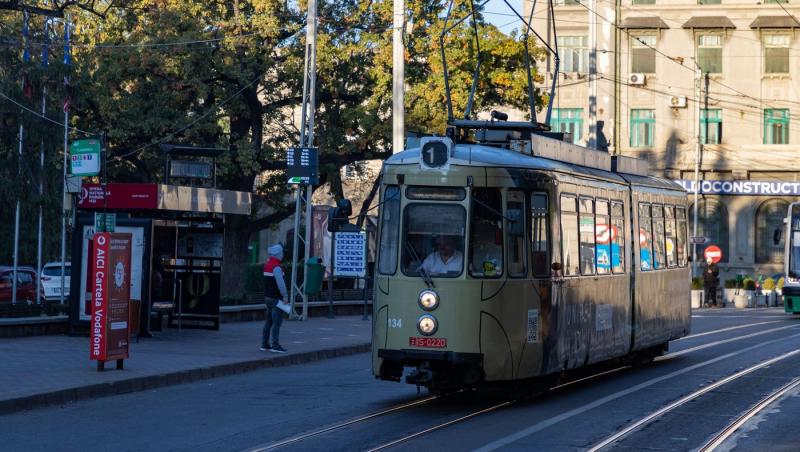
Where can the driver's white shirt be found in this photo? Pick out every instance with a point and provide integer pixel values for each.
(435, 264)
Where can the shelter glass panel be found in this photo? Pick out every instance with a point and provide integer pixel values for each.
(569, 236)
(434, 239)
(540, 237)
(486, 235)
(390, 231)
(515, 233)
(587, 236)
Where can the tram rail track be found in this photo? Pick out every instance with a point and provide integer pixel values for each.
(686, 399)
(299, 438)
(740, 421)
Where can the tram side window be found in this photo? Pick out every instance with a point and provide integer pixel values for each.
(670, 228)
(587, 233)
(539, 259)
(569, 235)
(603, 235)
(682, 235)
(515, 233)
(645, 238)
(618, 237)
(658, 237)
(486, 236)
(390, 231)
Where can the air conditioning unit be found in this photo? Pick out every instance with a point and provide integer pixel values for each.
(677, 101)
(636, 79)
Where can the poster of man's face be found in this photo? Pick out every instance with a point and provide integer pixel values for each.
(119, 275)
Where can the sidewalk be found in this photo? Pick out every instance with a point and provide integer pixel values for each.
(48, 370)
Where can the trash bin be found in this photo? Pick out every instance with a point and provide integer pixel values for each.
(315, 272)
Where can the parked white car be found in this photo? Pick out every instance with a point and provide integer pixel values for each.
(51, 280)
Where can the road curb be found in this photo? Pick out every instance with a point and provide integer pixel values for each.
(149, 382)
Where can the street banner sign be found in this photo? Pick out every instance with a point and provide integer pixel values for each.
(110, 289)
(714, 253)
(105, 222)
(85, 157)
(699, 240)
(302, 166)
(350, 254)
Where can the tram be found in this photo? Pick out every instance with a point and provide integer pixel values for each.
(506, 254)
(791, 284)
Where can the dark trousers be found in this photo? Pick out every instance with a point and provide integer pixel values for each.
(711, 295)
(274, 320)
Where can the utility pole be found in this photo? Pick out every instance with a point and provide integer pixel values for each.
(45, 51)
(25, 60)
(302, 225)
(698, 151)
(398, 78)
(592, 139)
(65, 199)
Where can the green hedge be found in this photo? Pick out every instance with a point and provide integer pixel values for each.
(697, 283)
(730, 283)
(749, 284)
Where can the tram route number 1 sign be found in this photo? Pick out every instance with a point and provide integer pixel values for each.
(350, 254)
(110, 289)
(302, 166)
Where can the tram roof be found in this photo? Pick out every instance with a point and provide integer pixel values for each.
(478, 155)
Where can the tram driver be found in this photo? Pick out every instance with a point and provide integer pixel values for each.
(446, 258)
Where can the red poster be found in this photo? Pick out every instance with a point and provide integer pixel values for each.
(118, 196)
(111, 278)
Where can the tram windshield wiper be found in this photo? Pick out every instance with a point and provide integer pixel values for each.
(422, 272)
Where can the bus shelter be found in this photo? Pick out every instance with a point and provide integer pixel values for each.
(177, 256)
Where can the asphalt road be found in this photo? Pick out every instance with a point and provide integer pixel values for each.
(258, 409)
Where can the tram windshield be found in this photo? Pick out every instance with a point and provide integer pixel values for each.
(434, 240)
(794, 251)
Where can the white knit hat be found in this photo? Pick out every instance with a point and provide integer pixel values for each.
(275, 250)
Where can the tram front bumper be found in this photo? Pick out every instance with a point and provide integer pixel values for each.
(432, 368)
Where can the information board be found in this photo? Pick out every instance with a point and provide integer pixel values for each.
(302, 166)
(111, 280)
(350, 254)
(85, 157)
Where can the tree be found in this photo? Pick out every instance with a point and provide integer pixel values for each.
(229, 74)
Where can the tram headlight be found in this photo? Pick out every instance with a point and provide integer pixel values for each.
(428, 300)
(427, 325)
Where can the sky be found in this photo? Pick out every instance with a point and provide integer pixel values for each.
(499, 14)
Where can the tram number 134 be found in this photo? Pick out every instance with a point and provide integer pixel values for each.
(428, 342)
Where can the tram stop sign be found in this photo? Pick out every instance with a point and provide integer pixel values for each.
(714, 253)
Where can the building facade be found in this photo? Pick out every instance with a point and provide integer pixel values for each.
(680, 79)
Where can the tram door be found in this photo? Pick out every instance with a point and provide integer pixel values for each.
(792, 261)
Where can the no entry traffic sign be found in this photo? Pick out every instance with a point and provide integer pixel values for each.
(714, 253)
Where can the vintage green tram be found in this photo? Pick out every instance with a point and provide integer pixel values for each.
(517, 256)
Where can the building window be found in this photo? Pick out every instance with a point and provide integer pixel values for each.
(574, 52)
(712, 118)
(568, 120)
(776, 54)
(709, 53)
(712, 222)
(643, 126)
(776, 126)
(769, 219)
(644, 2)
(643, 54)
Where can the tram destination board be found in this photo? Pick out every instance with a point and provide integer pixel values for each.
(302, 166)
(350, 254)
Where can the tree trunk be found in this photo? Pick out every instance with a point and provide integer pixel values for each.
(235, 256)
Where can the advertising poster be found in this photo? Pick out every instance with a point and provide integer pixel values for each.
(110, 300)
(137, 264)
